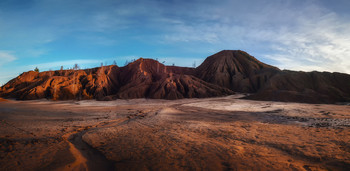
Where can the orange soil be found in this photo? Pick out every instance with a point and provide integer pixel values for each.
(190, 134)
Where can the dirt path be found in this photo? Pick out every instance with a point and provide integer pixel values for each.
(80, 162)
(87, 157)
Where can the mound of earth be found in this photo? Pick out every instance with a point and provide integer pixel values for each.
(236, 70)
(240, 72)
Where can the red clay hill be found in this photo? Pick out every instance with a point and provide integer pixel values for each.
(143, 78)
(221, 74)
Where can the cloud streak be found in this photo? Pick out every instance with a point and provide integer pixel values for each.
(6, 57)
(319, 43)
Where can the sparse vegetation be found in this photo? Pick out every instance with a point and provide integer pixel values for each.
(126, 63)
(76, 67)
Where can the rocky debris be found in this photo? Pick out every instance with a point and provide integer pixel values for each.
(334, 123)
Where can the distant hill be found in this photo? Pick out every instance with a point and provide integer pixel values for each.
(221, 74)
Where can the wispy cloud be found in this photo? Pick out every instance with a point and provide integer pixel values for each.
(318, 43)
(293, 35)
(6, 57)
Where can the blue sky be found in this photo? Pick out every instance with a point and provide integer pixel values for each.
(291, 34)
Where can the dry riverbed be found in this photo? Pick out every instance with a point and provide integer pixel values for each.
(224, 133)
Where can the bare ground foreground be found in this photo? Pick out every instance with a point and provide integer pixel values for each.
(224, 133)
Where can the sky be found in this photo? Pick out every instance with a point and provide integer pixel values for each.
(301, 35)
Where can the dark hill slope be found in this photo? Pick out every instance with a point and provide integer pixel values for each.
(241, 72)
(236, 70)
(309, 87)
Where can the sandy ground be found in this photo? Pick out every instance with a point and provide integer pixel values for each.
(192, 134)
